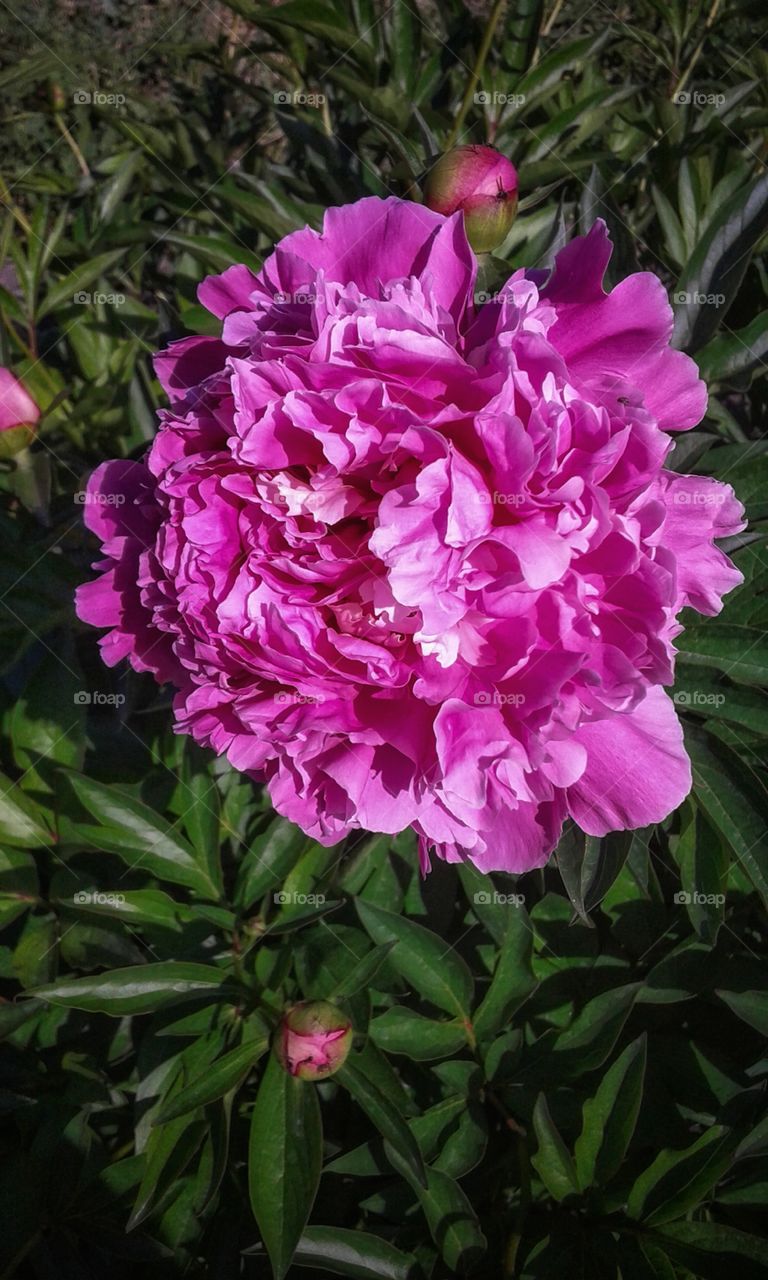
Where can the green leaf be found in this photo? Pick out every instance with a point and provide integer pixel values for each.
(64, 291)
(35, 954)
(718, 265)
(733, 355)
(750, 480)
(19, 886)
(168, 1153)
(704, 870)
(353, 1253)
(284, 1160)
(382, 1114)
(401, 1030)
(423, 959)
(587, 1042)
(750, 1006)
(452, 1221)
(47, 722)
(139, 835)
(711, 1250)
(513, 978)
(590, 864)
(202, 823)
(21, 823)
(139, 989)
(741, 652)
(552, 1161)
(134, 906)
(227, 1072)
(362, 973)
(734, 801)
(609, 1118)
(677, 1180)
(271, 857)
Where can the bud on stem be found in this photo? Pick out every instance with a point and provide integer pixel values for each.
(313, 1040)
(481, 183)
(18, 415)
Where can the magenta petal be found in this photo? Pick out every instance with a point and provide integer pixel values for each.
(622, 334)
(637, 770)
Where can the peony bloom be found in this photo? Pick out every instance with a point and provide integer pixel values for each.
(18, 415)
(313, 1040)
(482, 184)
(417, 561)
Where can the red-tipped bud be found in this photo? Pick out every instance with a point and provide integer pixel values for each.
(18, 415)
(313, 1040)
(483, 184)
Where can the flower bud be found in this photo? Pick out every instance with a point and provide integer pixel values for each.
(483, 184)
(18, 415)
(313, 1039)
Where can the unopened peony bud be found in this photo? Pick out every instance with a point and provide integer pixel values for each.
(313, 1039)
(18, 415)
(483, 184)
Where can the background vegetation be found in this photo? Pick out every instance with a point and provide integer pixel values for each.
(574, 1085)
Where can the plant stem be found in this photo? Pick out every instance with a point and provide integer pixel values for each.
(697, 51)
(482, 54)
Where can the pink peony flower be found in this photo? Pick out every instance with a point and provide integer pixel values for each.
(313, 1040)
(414, 561)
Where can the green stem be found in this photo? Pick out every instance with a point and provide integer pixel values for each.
(482, 54)
(697, 51)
